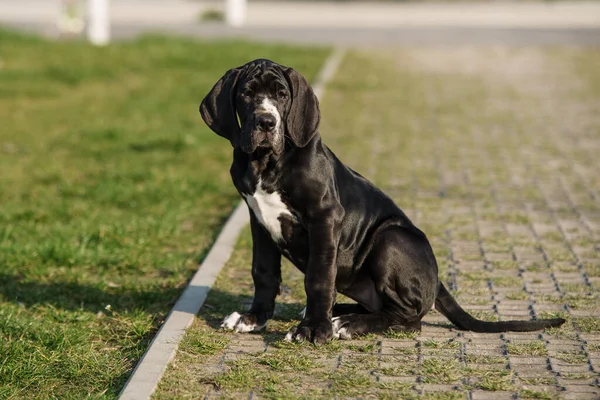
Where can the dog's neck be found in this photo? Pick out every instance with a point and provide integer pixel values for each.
(262, 165)
(268, 166)
(263, 158)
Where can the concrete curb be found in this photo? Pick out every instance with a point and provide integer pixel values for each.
(145, 377)
(147, 374)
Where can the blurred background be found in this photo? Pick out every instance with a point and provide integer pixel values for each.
(341, 22)
(112, 189)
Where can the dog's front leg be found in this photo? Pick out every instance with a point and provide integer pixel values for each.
(266, 273)
(319, 280)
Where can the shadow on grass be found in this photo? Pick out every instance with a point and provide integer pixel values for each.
(220, 304)
(446, 325)
(76, 296)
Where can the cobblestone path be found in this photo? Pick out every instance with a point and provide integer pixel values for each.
(494, 153)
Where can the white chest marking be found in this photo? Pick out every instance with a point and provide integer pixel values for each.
(267, 208)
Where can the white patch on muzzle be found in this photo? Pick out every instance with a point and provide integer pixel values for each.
(268, 107)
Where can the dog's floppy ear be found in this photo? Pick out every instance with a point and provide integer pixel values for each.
(304, 115)
(218, 107)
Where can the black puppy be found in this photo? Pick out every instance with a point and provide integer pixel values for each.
(342, 232)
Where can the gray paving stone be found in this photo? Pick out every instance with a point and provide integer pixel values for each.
(583, 389)
(522, 337)
(397, 379)
(529, 361)
(595, 363)
(486, 352)
(580, 396)
(572, 384)
(570, 368)
(534, 371)
(483, 395)
(435, 388)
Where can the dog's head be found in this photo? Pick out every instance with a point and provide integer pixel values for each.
(261, 104)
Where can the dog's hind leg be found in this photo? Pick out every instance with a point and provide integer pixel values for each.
(342, 309)
(348, 308)
(396, 314)
(347, 326)
(403, 272)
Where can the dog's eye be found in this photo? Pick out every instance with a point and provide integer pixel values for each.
(247, 93)
(282, 94)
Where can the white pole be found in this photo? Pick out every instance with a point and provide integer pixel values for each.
(235, 12)
(98, 29)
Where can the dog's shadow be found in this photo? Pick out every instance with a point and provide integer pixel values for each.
(220, 304)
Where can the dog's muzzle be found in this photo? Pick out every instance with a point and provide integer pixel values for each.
(265, 122)
(263, 130)
(263, 134)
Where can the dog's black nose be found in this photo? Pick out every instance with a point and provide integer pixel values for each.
(265, 122)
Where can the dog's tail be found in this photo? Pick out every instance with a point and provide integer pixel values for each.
(447, 305)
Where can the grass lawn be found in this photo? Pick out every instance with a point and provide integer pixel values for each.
(111, 190)
(493, 153)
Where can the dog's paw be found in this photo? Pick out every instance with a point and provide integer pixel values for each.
(318, 333)
(303, 313)
(340, 331)
(241, 323)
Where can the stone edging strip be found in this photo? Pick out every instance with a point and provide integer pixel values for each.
(147, 374)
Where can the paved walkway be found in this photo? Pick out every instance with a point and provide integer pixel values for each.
(493, 153)
(344, 23)
(566, 14)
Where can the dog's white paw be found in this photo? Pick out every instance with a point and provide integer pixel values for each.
(237, 323)
(289, 337)
(303, 313)
(294, 335)
(339, 331)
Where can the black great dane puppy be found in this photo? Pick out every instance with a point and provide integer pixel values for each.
(335, 226)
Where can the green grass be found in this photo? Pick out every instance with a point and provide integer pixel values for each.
(350, 383)
(588, 324)
(400, 334)
(538, 380)
(439, 344)
(203, 342)
(538, 394)
(593, 347)
(572, 357)
(484, 359)
(283, 361)
(405, 350)
(492, 379)
(443, 395)
(517, 295)
(240, 374)
(534, 348)
(112, 189)
(396, 390)
(362, 348)
(578, 376)
(440, 370)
